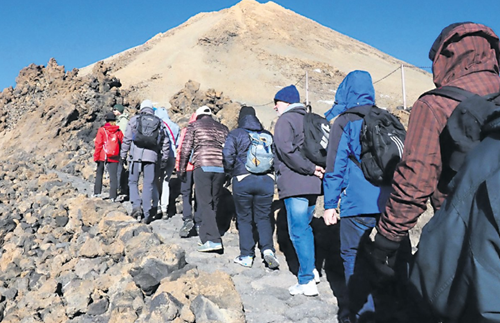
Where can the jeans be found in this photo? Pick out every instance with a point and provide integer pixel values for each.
(113, 178)
(208, 192)
(148, 169)
(356, 268)
(253, 196)
(161, 191)
(299, 212)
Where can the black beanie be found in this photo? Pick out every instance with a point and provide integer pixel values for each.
(110, 116)
(246, 111)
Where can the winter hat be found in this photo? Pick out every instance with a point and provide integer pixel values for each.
(110, 116)
(118, 107)
(203, 110)
(146, 104)
(288, 94)
(245, 110)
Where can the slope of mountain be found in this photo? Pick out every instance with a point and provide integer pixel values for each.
(251, 50)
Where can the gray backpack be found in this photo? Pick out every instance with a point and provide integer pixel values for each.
(148, 132)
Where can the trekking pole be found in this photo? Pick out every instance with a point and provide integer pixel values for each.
(403, 85)
(307, 89)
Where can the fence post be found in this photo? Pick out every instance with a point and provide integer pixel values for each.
(307, 89)
(403, 85)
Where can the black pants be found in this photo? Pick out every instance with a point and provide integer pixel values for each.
(208, 191)
(113, 178)
(122, 175)
(187, 200)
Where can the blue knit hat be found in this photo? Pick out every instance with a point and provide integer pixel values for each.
(288, 94)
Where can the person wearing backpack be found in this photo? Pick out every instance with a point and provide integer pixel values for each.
(162, 189)
(190, 216)
(121, 121)
(361, 202)
(107, 154)
(144, 142)
(299, 184)
(203, 144)
(253, 186)
(465, 55)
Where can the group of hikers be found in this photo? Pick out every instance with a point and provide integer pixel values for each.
(453, 280)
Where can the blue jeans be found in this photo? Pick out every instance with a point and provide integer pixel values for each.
(359, 290)
(253, 196)
(299, 213)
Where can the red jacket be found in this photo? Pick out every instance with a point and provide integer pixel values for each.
(100, 139)
(190, 166)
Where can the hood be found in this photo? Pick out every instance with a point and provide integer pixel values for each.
(147, 110)
(462, 49)
(161, 113)
(250, 122)
(110, 128)
(355, 90)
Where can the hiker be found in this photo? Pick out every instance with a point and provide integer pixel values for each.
(121, 121)
(361, 202)
(107, 154)
(252, 192)
(205, 139)
(299, 184)
(465, 55)
(162, 189)
(191, 217)
(144, 139)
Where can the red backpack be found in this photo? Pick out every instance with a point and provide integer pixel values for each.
(111, 145)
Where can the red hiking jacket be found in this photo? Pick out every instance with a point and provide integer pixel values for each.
(100, 139)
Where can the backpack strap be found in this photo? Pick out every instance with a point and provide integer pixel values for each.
(171, 132)
(450, 92)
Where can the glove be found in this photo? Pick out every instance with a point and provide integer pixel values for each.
(124, 161)
(227, 181)
(382, 255)
(163, 164)
(181, 176)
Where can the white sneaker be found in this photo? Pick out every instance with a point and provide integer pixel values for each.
(270, 258)
(316, 276)
(309, 289)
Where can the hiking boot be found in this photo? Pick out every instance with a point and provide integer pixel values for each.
(186, 228)
(97, 196)
(245, 261)
(309, 289)
(210, 246)
(271, 260)
(316, 276)
(137, 213)
(147, 220)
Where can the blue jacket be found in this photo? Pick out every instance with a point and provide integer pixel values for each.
(343, 179)
(237, 144)
(355, 90)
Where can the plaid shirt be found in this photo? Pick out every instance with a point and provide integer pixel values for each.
(473, 66)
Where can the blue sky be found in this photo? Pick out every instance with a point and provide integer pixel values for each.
(80, 32)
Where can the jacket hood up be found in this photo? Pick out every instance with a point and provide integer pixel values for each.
(462, 49)
(250, 122)
(355, 90)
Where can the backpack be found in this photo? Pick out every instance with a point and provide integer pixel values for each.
(148, 132)
(259, 155)
(382, 141)
(111, 145)
(316, 135)
(462, 131)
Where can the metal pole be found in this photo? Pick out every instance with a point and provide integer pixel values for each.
(403, 85)
(307, 89)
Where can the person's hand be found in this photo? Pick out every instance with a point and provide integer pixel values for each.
(163, 164)
(330, 216)
(227, 181)
(319, 171)
(181, 176)
(382, 254)
(124, 161)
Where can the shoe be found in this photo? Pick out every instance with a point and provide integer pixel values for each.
(186, 228)
(147, 220)
(271, 260)
(210, 246)
(245, 261)
(309, 289)
(137, 213)
(97, 196)
(316, 276)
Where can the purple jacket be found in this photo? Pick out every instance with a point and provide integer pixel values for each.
(294, 172)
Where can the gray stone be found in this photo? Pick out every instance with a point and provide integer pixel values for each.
(205, 310)
(98, 307)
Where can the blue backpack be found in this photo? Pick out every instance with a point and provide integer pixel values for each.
(259, 154)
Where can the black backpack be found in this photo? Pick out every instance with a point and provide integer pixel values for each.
(382, 141)
(316, 135)
(463, 128)
(148, 132)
